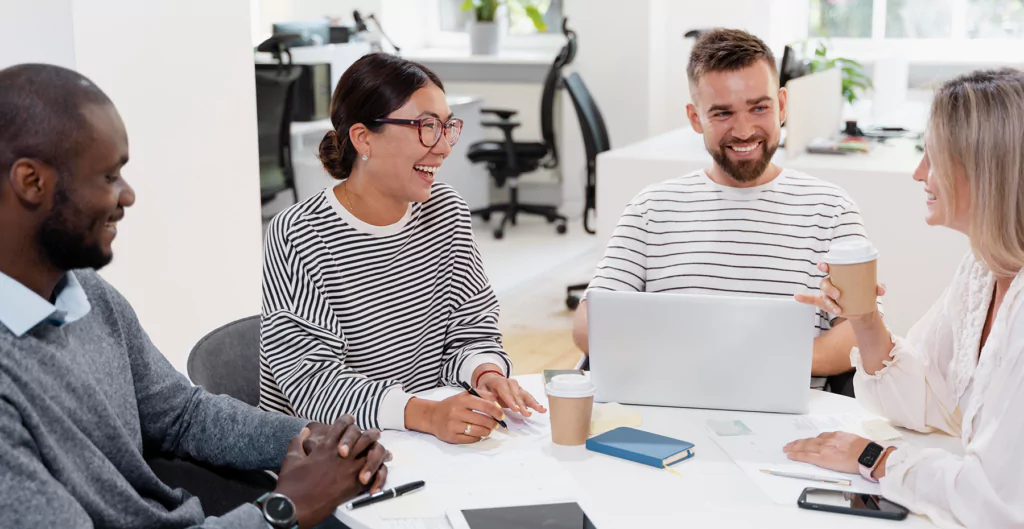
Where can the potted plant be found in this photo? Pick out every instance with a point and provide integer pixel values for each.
(484, 32)
(854, 79)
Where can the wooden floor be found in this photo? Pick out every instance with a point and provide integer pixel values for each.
(537, 326)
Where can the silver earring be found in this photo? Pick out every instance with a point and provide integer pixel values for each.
(366, 157)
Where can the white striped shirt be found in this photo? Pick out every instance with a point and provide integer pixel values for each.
(692, 235)
(357, 317)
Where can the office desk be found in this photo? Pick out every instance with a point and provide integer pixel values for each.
(916, 261)
(619, 494)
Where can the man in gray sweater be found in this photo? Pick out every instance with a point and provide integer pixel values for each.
(82, 388)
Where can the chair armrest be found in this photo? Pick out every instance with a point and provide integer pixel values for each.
(503, 125)
(509, 144)
(503, 113)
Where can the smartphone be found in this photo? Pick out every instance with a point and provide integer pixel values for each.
(857, 503)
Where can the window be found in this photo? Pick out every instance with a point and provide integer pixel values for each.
(455, 20)
(917, 19)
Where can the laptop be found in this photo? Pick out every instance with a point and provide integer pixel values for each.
(701, 351)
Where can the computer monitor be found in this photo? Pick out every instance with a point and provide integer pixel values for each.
(310, 33)
(792, 66)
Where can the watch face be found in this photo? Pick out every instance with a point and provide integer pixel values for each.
(870, 455)
(280, 509)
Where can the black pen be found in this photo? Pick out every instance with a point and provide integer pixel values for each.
(473, 392)
(386, 494)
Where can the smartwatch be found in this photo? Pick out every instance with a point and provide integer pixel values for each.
(278, 510)
(869, 458)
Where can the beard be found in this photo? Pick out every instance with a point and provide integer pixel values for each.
(65, 240)
(746, 170)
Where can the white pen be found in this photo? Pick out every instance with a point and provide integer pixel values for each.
(809, 477)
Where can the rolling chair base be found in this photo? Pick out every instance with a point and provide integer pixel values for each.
(512, 210)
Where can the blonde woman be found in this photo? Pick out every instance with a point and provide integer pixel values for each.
(961, 368)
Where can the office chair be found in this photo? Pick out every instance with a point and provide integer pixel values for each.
(275, 93)
(509, 159)
(595, 141)
(227, 361)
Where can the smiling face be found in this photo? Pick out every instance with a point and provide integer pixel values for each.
(740, 113)
(90, 198)
(400, 165)
(949, 203)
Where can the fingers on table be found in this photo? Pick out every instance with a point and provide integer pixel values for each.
(380, 480)
(374, 462)
(510, 394)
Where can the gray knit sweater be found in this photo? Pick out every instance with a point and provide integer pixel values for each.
(76, 405)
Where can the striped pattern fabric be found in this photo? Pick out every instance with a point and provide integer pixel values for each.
(348, 315)
(691, 235)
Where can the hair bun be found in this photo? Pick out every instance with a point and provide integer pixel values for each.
(332, 156)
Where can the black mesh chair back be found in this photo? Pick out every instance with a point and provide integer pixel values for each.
(595, 134)
(275, 92)
(547, 99)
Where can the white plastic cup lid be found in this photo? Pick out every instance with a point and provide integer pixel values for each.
(571, 386)
(851, 252)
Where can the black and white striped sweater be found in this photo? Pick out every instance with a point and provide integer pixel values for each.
(357, 317)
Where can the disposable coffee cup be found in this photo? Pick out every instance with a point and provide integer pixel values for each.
(853, 269)
(570, 403)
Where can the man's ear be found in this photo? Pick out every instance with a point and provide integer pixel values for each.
(691, 114)
(31, 180)
(783, 105)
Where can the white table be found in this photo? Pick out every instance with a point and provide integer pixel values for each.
(916, 261)
(712, 492)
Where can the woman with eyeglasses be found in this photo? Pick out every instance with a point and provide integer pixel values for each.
(374, 290)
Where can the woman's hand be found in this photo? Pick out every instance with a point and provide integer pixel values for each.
(460, 419)
(508, 394)
(828, 300)
(837, 451)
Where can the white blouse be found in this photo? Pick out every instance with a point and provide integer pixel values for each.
(935, 380)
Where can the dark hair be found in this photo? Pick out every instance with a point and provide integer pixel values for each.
(725, 50)
(373, 87)
(41, 114)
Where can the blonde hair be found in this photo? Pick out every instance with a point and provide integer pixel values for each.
(977, 129)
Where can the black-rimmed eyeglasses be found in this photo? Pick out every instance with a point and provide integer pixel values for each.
(430, 129)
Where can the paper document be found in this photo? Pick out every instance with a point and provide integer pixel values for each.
(759, 446)
(522, 432)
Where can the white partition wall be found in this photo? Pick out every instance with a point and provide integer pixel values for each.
(188, 254)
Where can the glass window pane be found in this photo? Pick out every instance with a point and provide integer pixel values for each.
(919, 19)
(841, 18)
(453, 18)
(519, 23)
(995, 19)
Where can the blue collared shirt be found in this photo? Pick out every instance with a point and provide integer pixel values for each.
(21, 309)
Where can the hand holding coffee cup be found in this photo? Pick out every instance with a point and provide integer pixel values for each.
(851, 289)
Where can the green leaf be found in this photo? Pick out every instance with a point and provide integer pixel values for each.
(468, 4)
(537, 17)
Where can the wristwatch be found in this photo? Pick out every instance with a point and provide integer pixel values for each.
(869, 458)
(278, 510)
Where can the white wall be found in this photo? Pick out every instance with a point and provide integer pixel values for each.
(188, 255)
(36, 31)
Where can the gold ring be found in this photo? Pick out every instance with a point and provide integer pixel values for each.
(468, 426)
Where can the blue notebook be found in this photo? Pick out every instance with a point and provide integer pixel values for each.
(640, 446)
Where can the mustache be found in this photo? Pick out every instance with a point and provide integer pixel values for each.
(733, 140)
(116, 217)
